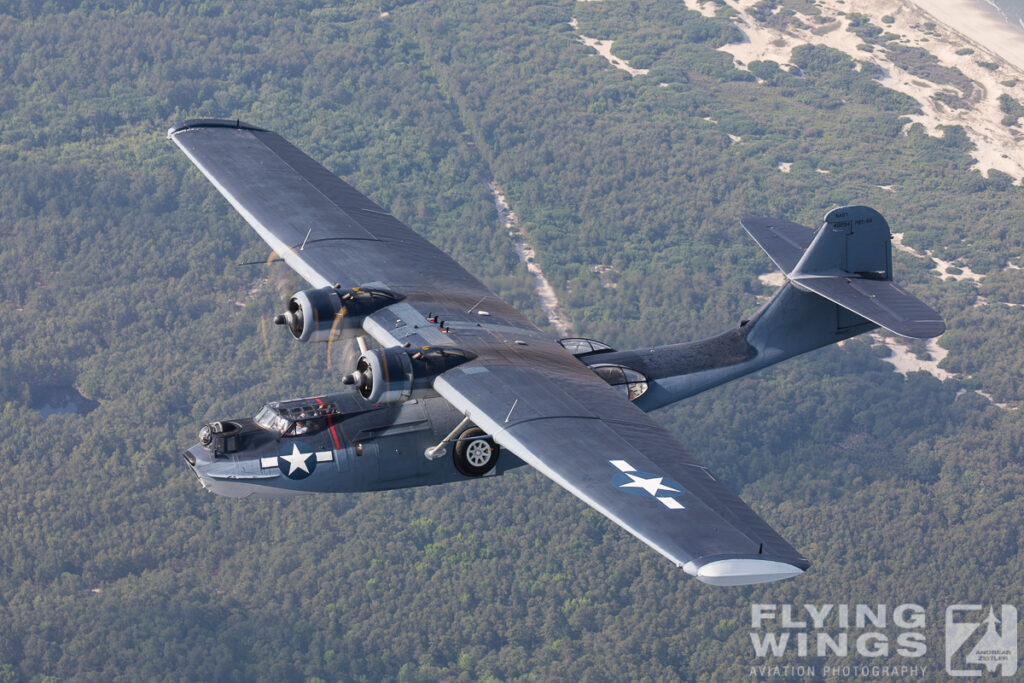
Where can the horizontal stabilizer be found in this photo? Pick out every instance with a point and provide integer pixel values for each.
(849, 262)
(883, 302)
(783, 241)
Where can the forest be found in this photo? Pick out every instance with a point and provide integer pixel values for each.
(120, 282)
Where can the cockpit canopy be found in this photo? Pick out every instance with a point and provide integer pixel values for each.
(302, 415)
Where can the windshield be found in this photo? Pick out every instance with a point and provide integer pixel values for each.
(265, 417)
(270, 420)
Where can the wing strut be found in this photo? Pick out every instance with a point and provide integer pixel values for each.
(435, 452)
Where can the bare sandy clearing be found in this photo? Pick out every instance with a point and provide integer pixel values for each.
(545, 292)
(904, 361)
(942, 268)
(604, 48)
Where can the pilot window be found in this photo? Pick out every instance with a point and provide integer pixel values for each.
(307, 425)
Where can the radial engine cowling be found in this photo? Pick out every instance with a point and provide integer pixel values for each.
(393, 375)
(331, 313)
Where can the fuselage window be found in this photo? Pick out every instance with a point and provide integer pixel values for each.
(612, 374)
(636, 384)
(631, 383)
(579, 346)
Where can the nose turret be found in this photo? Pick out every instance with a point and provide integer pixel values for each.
(231, 459)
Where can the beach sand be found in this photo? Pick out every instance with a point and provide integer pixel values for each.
(984, 48)
(979, 24)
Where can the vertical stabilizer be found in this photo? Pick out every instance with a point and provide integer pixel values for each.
(855, 240)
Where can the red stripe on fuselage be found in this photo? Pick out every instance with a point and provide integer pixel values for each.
(330, 424)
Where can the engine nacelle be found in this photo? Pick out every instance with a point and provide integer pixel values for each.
(330, 314)
(394, 375)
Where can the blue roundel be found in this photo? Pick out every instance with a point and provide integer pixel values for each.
(296, 460)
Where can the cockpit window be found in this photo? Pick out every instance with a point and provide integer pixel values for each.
(269, 419)
(578, 346)
(631, 383)
(299, 416)
(265, 418)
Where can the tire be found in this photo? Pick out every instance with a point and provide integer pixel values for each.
(475, 457)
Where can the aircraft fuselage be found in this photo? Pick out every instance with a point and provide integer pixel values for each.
(353, 445)
(360, 448)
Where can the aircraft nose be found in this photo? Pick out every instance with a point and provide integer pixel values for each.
(199, 459)
(197, 455)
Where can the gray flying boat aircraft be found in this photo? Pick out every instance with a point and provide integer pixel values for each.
(459, 385)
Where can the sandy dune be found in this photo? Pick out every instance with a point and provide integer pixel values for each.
(994, 70)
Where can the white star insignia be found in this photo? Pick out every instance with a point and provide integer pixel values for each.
(652, 485)
(297, 460)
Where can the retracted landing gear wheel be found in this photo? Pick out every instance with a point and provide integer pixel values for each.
(475, 453)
